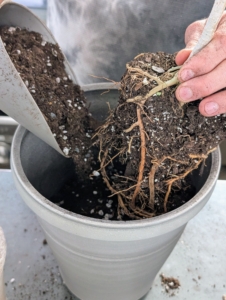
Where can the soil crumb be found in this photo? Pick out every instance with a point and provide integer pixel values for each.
(170, 283)
(44, 242)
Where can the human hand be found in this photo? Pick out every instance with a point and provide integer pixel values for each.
(1, 1)
(203, 75)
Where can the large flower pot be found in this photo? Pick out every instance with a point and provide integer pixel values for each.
(100, 259)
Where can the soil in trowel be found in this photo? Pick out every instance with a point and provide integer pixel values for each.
(41, 67)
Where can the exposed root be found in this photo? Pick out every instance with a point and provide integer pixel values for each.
(143, 111)
(144, 74)
(105, 78)
(125, 190)
(161, 84)
(101, 147)
(139, 55)
(125, 177)
(142, 156)
(105, 178)
(102, 127)
(137, 212)
(142, 213)
(130, 144)
(112, 158)
(122, 205)
(171, 181)
(151, 171)
(132, 127)
(151, 181)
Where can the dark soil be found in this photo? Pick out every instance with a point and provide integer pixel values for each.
(158, 140)
(170, 283)
(93, 198)
(41, 67)
(147, 146)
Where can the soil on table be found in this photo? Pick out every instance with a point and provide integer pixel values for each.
(170, 284)
(139, 164)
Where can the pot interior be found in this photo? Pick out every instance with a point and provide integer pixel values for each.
(47, 170)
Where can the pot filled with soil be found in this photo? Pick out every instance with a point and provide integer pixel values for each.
(139, 166)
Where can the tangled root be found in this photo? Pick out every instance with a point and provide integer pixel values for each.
(155, 152)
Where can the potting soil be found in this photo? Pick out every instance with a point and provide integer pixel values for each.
(148, 145)
(41, 67)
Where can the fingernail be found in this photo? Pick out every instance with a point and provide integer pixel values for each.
(185, 93)
(211, 108)
(186, 74)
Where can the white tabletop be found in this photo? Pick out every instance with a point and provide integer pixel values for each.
(198, 260)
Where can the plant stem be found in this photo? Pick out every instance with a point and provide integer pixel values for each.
(163, 86)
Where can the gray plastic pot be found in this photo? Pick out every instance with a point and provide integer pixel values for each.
(100, 259)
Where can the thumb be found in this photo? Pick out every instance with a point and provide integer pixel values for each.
(192, 34)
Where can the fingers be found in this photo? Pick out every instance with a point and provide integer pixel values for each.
(206, 60)
(202, 76)
(182, 56)
(209, 57)
(192, 35)
(202, 86)
(213, 105)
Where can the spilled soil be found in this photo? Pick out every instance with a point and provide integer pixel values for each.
(170, 284)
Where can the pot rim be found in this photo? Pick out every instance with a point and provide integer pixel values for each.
(25, 183)
(17, 168)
